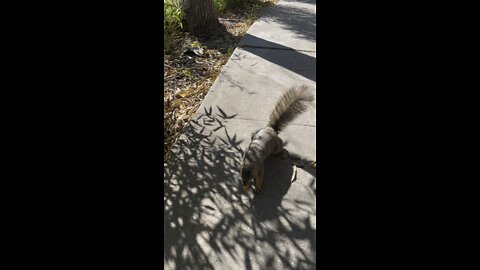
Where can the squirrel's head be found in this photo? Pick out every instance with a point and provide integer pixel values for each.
(246, 173)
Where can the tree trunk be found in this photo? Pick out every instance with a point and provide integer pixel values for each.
(199, 15)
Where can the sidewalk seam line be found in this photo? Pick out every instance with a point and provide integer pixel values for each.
(292, 124)
(273, 48)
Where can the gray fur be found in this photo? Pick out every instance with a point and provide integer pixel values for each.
(289, 106)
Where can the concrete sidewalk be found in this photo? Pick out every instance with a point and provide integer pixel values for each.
(210, 223)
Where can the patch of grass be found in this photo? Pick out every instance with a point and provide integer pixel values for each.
(230, 5)
(219, 5)
(172, 23)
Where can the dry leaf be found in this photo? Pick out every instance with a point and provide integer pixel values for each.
(185, 93)
(177, 103)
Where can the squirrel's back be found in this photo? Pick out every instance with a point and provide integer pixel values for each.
(289, 106)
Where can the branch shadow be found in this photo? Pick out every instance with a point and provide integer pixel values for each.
(210, 223)
(300, 21)
(276, 185)
(283, 56)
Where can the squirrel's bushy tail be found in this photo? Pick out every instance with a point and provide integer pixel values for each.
(289, 106)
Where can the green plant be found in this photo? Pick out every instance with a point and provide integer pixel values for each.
(172, 23)
(220, 5)
(229, 51)
(187, 73)
(224, 5)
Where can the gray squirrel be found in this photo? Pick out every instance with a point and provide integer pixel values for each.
(266, 141)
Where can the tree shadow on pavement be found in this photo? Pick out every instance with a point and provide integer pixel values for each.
(298, 19)
(275, 186)
(210, 223)
(286, 57)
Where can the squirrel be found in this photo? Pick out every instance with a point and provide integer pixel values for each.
(266, 141)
